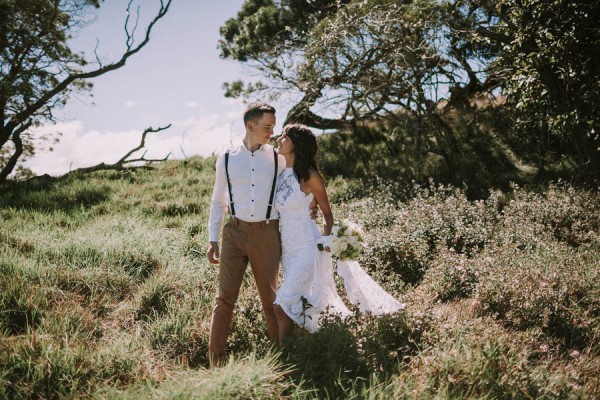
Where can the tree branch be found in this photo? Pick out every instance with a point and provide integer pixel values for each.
(31, 109)
(301, 114)
(123, 161)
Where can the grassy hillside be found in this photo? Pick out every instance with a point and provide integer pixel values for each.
(105, 292)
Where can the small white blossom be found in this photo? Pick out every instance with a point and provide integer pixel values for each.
(346, 241)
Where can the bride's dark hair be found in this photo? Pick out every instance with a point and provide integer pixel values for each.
(305, 149)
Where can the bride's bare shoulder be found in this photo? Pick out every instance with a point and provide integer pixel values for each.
(313, 174)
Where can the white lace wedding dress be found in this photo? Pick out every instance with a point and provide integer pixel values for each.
(308, 290)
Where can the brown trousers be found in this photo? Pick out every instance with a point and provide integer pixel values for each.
(259, 243)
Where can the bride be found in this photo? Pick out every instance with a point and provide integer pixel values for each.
(308, 291)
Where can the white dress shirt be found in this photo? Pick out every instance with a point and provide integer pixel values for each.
(251, 177)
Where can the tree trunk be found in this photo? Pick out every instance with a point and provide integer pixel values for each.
(12, 162)
(447, 143)
(301, 114)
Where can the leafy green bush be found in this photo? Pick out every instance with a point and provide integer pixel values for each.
(453, 275)
(554, 289)
(398, 253)
(570, 215)
(406, 237)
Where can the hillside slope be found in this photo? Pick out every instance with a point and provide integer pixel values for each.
(105, 292)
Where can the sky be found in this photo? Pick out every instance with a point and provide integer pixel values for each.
(176, 79)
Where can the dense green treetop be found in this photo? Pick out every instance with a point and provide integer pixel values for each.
(364, 59)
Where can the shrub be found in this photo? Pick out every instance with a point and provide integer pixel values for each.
(398, 253)
(453, 276)
(490, 366)
(342, 352)
(406, 237)
(570, 215)
(553, 288)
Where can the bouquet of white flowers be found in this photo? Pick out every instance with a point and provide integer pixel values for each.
(345, 242)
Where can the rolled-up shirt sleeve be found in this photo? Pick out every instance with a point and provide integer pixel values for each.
(219, 200)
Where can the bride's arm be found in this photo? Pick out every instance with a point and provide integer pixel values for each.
(316, 184)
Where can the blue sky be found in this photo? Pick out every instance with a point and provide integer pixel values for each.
(175, 79)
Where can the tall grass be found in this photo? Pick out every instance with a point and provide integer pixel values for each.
(105, 292)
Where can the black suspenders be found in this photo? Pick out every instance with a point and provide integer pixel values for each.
(231, 205)
(275, 160)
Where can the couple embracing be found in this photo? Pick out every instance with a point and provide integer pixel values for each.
(268, 194)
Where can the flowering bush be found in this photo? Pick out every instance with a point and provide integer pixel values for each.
(527, 258)
(552, 288)
(405, 237)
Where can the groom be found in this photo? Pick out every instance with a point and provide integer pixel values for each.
(245, 185)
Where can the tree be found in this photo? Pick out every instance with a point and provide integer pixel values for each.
(39, 71)
(271, 37)
(550, 66)
(369, 59)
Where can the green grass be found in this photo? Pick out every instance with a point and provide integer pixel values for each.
(105, 292)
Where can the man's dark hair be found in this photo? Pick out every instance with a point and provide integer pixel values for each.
(256, 110)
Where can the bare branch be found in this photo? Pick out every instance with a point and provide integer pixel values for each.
(142, 142)
(33, 108)
(181, 146)
(123, 161)
(96, 53)
(148, 161)
(131, 35)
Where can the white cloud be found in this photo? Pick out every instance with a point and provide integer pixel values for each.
(129, 104)
(79, 147)
(209, 133)
(202, 135)
(191, 104)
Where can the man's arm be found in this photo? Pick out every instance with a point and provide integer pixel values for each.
(218, 208)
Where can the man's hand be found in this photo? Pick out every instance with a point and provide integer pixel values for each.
(213, 252)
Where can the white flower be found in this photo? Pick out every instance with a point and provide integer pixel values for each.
(334, 247)
(349, 230)
(335, 231)
(353, 241)
(346, 240)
